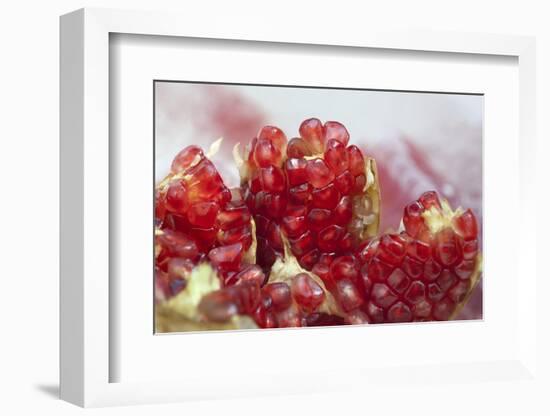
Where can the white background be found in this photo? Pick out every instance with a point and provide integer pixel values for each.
(29, 209)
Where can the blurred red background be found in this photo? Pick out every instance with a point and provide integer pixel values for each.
(421, 141)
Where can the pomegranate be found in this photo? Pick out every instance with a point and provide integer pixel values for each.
(427, 271)
(297, 243)
(315, 189)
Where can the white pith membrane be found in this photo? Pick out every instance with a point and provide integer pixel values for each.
(180, 313)
(438, 219)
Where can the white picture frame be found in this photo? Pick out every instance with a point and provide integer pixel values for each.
(87, 356)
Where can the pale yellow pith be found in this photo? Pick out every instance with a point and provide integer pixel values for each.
(437, 219)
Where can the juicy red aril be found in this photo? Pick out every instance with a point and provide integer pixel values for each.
(429, 199)
(412, 219)
(227, 257)
(176, 198)
(329, 238)
(308, 260)
(307, 292)
(298, 148)
(334, 130)
(318, 219)
(343, 211)
(296, 171)
(345, 267)
(382, 295)
(175, 244)
(219, 306)
(318, 173)
(311, 131)
(233, 216)
(467, 225)
(345, 182)
(326, 197)
(267, 154)
(302, 244)
(347, 294)
(280, 295)
(399, 312)
(356, 160)
(294, 226)
(336, 156)
(273, 179)
(203, 214)
(274, 135)
(185, 158)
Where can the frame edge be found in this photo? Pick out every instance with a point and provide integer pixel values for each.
(71, 214)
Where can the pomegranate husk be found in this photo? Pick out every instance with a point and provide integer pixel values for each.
(180, 313)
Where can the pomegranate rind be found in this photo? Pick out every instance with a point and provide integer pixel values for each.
(180, 313)
(475, 278)
(371, 203)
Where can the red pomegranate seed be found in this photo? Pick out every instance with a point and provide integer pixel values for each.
(311, 131)
(318, 219)
(399, 312)
(467, 225)
(185, 158)
(176, 198)
(273, 179)
(319, 174)
(280, 295)
(307, 292)
(356, 160)
(298, 148)
(296, 171)
(336, 156)
(347, 294)
(203, 214)
(345, 267)
(227, 257)
(334, 130)
(345, 183)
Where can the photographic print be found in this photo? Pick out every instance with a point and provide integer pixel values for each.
(287, 206)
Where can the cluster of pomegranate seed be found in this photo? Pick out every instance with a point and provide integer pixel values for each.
(314, 188)
(197, 218)
(298, 245)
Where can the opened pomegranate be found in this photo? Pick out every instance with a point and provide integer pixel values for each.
(297, 243)
(427, 271)
(320, 192)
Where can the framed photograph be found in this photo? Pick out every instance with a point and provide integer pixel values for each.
(291, 209)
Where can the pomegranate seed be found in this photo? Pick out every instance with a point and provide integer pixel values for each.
(311, 131)
(186, 157)
(399, 312)
(280, 295)
(227, 257)
(176, 197)
(298, 148)
(306, 292)
(334, 130)
(336, 156)
(356, 160)
(326, 197)
(318, 173)
(273, 179)
(467, 225)
(203, 214)
(329, 238)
